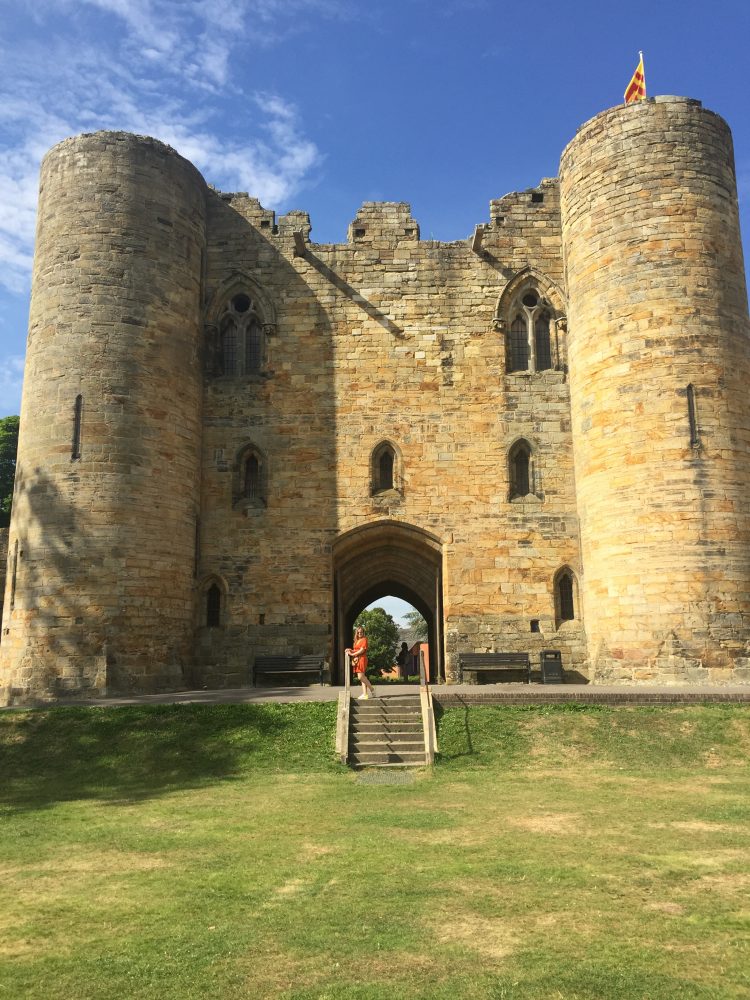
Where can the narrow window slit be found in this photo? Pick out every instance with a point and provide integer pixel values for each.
(386, 470)
(252, 478)
(77, 414)
(213, 606)
(197, 547)
(695, 441)
(565, 601)
(13, 576)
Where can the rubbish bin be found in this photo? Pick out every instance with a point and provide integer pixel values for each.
(551, 666)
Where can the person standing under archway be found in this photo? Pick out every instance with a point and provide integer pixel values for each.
(358, 654)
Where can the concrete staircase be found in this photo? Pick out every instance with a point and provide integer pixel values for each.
(387, 732)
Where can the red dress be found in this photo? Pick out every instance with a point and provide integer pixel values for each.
(360, 650)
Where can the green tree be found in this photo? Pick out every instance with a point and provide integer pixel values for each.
(415, 623)
(382, 638)
(8, 449)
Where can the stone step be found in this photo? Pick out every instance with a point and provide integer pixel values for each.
(375, 740)
(368, 709)
(388, 727)
(379, 758)
(386, 732)
(411, 722)
(409, 699)
(413, 737)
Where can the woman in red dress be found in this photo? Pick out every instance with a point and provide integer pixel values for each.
(358, 653)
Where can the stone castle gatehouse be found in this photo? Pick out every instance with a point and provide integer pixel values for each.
(233, 439)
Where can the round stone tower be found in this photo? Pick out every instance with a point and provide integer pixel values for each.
(659, 352)
(102, 537)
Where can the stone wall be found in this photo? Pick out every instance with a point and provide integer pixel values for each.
(217, 492)
(386, 337)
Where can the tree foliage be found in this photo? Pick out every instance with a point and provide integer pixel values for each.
(382, 638)
(415, 623)
(8, 449)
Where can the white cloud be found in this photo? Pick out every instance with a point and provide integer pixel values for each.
(155, 67)
(11, 380)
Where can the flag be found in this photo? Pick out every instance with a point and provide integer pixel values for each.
(637, 87)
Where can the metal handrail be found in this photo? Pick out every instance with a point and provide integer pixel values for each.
(347, 673)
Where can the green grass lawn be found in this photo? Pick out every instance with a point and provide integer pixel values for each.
(196, 851)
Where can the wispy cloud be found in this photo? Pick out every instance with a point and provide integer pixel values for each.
(11, 379)
(155, 67)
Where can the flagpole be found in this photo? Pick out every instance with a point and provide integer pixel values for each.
(644, 74)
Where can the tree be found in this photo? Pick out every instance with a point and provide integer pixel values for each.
(415, 623)
(382, 638)
(8, 449)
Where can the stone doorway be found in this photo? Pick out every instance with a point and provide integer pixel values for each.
(388, 558)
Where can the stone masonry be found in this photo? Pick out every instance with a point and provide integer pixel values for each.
(234, 438)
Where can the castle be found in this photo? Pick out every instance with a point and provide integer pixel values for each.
(234, 439)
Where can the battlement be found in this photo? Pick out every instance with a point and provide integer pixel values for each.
(388, 222)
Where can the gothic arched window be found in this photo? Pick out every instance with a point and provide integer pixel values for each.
(228, 346)
(519, 470)
(519, 345)
(242, 337)
(564, 597)
(251, 478)
(529, 346)
(542, 341)
(384, 468)
(213, 606)
(253, 347)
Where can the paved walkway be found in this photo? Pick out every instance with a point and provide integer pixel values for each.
(452, 694)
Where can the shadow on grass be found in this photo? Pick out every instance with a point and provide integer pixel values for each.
(131, 753)
(493, 735)
(461, 744)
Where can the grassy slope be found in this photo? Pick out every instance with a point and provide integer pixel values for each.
(197, 851)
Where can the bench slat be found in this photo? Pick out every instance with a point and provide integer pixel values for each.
(289, 665)
(476, 662)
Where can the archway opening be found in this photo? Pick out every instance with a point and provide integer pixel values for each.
(385, 559)
(398, 640)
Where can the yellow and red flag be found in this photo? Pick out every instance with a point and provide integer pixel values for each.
(637, 87)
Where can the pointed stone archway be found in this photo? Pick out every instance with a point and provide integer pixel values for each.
(382, 558)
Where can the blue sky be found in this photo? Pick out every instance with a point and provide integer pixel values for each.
(323, 104)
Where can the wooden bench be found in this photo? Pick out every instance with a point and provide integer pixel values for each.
(497, 662)
(271, 666)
